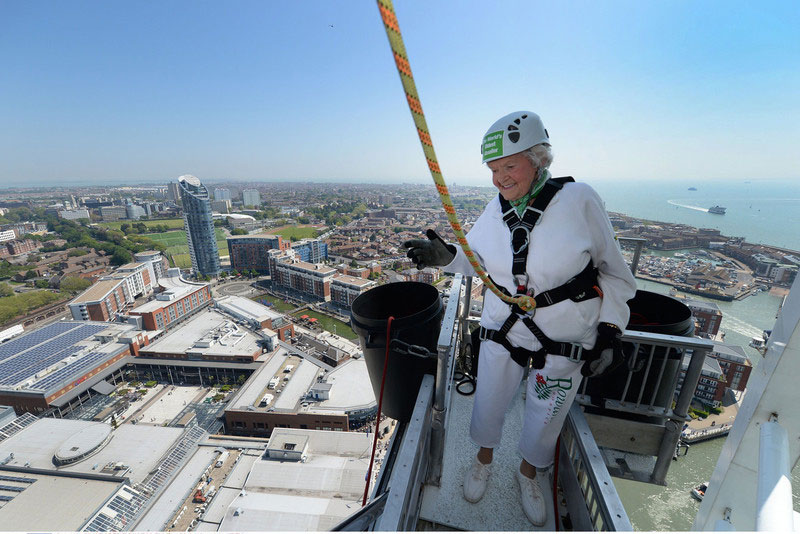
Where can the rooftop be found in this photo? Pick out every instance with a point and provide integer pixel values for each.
(97, 292)
(173, 288)
(254, 236)
(319, 269)
(49, 357)
(247, 308)
(207, 334)
(352, 280)
(312, 495)
(53, 501)
(349, 386)
(136, 447)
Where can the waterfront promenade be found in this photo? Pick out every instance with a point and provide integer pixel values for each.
(713, 426)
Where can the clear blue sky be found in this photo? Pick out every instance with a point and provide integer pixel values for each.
(121, 92)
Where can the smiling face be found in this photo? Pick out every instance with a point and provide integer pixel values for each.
(513, 175)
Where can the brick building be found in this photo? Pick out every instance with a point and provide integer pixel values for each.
(252, 251)
(309, 279)
(345, 289)
(176, 300)
(102, 301)
(707, 316)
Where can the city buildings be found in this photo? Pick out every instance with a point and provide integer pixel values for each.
(301, 392)
(221, 206)
(173, 192)
(256, 316)
(313, 280)
(311, 250)
(251, 198)
(707, 316)
(345, 289)
(158, 263)
(114, 293)
(176, 300)
(113, 213)
(252, 251)
(199, 226)
(222, 194)
(208, 336)
(56, 365)
(74, 215)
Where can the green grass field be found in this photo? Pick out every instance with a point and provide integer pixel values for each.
(277, 304)
(171, 223)
(330, 324)
(294, 232)
(178, 246)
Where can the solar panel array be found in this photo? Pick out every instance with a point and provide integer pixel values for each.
(23, 343)
(43, 348)
(75, 368)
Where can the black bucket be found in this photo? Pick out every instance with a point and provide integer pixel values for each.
(658, 314)
(417, 310)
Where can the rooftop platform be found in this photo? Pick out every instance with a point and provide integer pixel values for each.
(208, 334)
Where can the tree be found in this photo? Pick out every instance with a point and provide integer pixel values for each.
(41, 284)
(125, 228)
(353, 263)
(238, 231)
(6, 290)
(74, 284)
(121, 256)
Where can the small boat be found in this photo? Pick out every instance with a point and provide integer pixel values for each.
(692, 189)
(699, 491)
(719, 210)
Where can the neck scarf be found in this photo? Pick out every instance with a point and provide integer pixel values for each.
(521, 203)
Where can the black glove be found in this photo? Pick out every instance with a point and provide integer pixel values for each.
(609, 347)
(433, 252)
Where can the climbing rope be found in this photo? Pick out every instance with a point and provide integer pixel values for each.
(392, 28)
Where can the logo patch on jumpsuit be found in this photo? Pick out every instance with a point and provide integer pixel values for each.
(554, 389)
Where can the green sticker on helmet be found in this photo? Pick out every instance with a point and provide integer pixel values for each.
(492, 145)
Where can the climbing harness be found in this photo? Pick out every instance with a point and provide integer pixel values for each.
(580, 287)
(390, 24)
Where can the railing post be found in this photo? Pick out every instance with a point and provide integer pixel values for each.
(448, 340)
(690, 382)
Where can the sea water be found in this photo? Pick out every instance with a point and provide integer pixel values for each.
(762, 211)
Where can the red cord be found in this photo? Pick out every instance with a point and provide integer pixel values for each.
(380, 407)
(555, 483)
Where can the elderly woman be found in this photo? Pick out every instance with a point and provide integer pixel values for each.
(550, 239)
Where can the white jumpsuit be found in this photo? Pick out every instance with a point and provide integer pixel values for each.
(573, 229)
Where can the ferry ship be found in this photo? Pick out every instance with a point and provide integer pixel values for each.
(631, 435)
(718, 210)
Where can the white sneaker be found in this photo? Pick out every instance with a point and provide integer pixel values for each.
(475, 480)
(533, 502)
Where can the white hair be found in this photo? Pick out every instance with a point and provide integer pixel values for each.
(541, 156)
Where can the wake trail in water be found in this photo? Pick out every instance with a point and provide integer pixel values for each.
(697, 208)
(740, 327)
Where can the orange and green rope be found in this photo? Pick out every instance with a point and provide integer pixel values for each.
(392, 28)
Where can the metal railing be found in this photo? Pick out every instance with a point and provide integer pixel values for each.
(645, 412)
(646, 415)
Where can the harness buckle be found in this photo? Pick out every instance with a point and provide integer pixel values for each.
(523, 243)
(575, 353)
(483, 333)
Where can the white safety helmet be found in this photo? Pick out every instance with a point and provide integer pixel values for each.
(513, 133)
